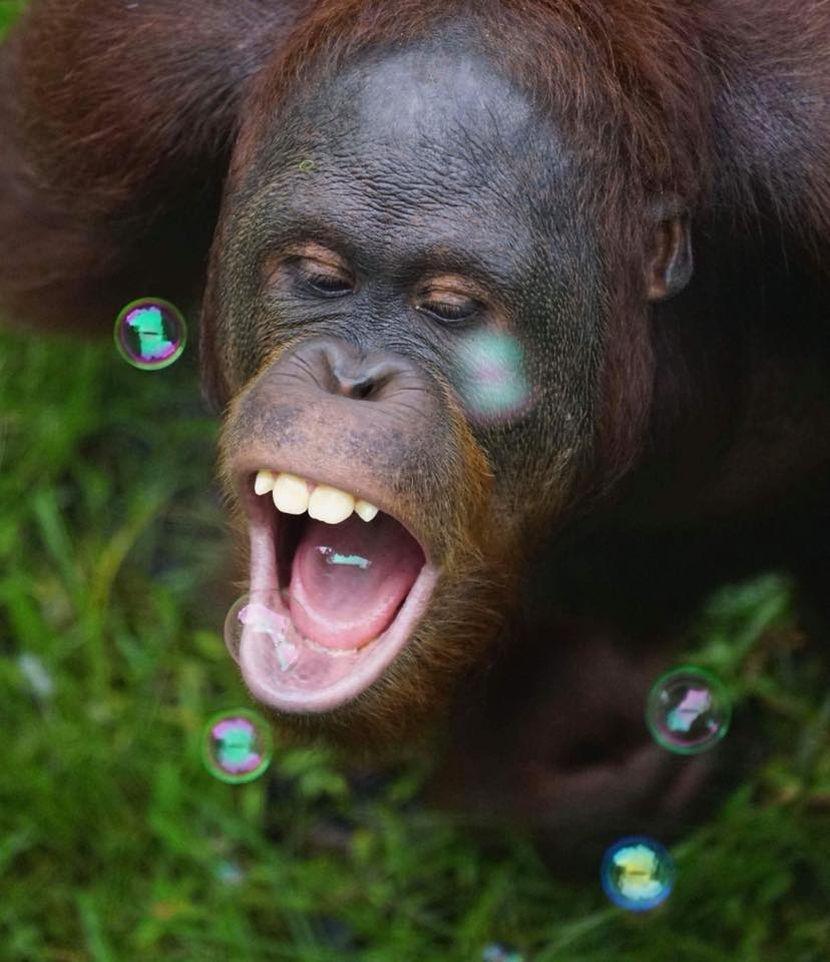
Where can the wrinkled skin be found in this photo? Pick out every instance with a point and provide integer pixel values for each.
(661, 435)
(398, 200)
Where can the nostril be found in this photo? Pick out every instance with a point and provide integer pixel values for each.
(362, 389)
(358, 386)
(363, 381)
(341, 368)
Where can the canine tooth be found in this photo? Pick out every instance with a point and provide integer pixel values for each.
(264, 482)
(365, 510)
(290, 494)
(330, 504)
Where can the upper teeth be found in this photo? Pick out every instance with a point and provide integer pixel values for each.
(295, 495)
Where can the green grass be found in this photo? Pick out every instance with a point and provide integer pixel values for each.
(117, 845)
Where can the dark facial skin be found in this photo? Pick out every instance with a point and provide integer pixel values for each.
(405, 210)
(434, 190)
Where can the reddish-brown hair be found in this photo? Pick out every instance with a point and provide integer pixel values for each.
(625, 80)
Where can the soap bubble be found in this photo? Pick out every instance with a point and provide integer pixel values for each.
(229, 872)
(688, 710)
(260, 611)
(150, 333)
(637, 873)
(237, 746)
(492, 378)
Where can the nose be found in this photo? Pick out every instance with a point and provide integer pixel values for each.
(341, 368)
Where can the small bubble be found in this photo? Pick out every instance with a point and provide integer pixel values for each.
(259, 614)
(150, 334)
(237, 746)
(306, 166)
(637, 873)
(493, 383)
(229, 872)
(688, 710)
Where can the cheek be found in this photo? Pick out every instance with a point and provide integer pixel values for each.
(238, 334)
(543, 370)
(530, 404)
(492, 372)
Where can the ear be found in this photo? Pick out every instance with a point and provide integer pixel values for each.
(669, 261)
(116, 121)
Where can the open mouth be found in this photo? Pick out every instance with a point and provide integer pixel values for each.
(337, 587)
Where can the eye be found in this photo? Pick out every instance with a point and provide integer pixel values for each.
(455, 310)
(328, 283)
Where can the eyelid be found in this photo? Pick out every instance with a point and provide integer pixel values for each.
(450, 296)
(456, 313)
(297, 260)
(317, 276)
(313, 263)
(310, 254)
(452, 279)
(311, 250)
(452, 299)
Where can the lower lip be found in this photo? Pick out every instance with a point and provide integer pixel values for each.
(319, 679)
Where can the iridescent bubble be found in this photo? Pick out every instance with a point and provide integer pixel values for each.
(150, 333)
(637, 873)
(306, 166)
(492, 378)
(237, 746)
(260, 612)
(499, 952)
(688, 710)
(229, 872)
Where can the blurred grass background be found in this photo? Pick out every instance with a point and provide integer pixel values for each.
(116, 844)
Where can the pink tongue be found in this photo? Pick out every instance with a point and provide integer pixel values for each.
(348, 579)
